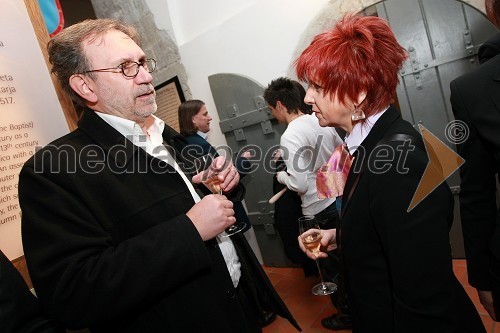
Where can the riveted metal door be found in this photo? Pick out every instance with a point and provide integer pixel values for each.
(248, 124)
(442, 38)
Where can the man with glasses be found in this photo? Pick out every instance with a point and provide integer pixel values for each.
(116, 237)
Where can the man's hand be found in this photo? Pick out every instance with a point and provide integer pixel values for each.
(212, 215)
(228, 175)
(487, 301)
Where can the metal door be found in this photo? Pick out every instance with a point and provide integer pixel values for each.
(442, 38)
(247, 123)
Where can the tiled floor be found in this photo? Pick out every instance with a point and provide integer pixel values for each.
(308, 309)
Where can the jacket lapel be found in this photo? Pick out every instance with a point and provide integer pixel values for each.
(121, 151)
(118, 148)
(363, 152)
(175, 144)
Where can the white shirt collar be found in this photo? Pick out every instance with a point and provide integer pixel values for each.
(203, 135)
(132, 131)
(360, 131)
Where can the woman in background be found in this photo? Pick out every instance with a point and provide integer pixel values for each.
(194, 125)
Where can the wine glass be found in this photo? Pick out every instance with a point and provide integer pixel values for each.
(210, 179)
(310, 235)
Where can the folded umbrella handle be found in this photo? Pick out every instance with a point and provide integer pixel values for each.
(278, 195)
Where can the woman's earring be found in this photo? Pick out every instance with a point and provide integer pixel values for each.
(357, 114)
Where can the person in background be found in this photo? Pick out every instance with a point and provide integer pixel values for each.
(305, 147)
(194, 125)
(19, 308)
(288, 208)
(116, 237)
(304, 108)
(475, 103)
(397, 260)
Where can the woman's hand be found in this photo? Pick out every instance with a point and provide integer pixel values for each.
(328, 243)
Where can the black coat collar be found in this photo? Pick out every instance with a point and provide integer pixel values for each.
(377, 133)
(115, 145)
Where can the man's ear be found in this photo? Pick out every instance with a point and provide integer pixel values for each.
(81, 86)
(279, 106)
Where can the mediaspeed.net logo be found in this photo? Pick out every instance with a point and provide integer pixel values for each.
(92, 159)
(443, 161)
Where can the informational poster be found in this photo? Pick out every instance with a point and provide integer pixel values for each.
(169, 96)
(30, 113)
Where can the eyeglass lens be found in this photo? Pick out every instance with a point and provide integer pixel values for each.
(132, 69)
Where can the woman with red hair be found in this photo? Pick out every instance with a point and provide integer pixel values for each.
(397, 258)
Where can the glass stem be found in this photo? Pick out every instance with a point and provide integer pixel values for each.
(320, 274)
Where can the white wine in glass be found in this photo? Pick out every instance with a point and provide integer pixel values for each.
(211, 180)
(213, 184)
(310, 235)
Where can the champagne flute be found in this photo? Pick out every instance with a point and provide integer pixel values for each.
(310, 235)
(210, 179)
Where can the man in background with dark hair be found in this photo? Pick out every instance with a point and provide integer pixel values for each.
(306, 146)
(475, 99)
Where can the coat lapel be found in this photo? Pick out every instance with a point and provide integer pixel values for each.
(175, 144)
(117, 148)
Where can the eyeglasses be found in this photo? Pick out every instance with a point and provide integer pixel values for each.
(130, 68)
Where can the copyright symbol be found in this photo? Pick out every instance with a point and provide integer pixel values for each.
(456, 132)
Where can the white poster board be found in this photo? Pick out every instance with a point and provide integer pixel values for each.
(30, 113)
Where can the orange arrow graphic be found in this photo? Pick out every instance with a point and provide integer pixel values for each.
(443, 161)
